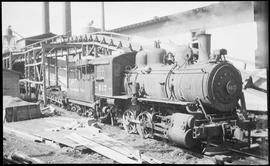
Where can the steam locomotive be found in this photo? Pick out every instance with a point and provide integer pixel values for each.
(187, 95)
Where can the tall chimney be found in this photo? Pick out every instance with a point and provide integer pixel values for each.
(204, 41)
(102, 17)
(46, 17)
(67, 19)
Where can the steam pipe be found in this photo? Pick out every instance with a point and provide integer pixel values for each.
(46, 17)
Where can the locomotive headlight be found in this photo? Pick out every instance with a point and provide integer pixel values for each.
(231, 87)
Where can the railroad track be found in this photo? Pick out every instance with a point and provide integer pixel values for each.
(232, 156)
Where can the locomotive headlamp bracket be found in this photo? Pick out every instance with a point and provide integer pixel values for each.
(208, 117)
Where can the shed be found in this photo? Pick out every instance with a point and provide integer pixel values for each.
(33, 39)
(11, 83)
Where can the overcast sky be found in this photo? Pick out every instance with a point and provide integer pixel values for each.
(25, 17)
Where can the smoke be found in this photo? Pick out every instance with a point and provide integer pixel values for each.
(221, 14)
(177, 29)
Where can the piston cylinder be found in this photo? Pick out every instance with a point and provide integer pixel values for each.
(180, 130)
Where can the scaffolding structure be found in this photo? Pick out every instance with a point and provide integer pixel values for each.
(39, 55)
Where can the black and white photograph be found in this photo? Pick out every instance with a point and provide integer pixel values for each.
(135, 82)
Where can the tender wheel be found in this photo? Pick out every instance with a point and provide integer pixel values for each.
(145, 127)
(129, 126)
(90, 112)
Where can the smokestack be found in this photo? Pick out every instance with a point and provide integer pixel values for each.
(67, 19)
(204, 41)
(46, 17)
(102, 17)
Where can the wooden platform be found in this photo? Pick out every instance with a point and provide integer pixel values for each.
(56, 131)
(42, 128)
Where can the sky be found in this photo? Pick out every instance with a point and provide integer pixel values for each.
(25, 17)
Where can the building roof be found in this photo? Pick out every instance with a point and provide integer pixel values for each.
(38, 37)
(141, 24)
(215, 9)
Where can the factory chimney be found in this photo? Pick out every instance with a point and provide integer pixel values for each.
(102, 17)
(46, 17)
(67, 19)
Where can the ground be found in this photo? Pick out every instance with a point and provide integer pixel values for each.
(158, 149)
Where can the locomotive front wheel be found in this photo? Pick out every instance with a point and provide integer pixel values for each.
(145, 127)
(128, 117)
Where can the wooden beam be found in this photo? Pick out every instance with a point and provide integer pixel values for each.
(29, 75)
(35, 61)
(24, 52)
(92, 48)
(25, 73)
(102, 149)
(95, 51)
(33, 64)
(10, 61)
(3, 63)
(21, 134)
(67, 69)
(50, 46)
(109, 144)
(44, 77)
(19, 156)
(94, 134)
(56, 70)
(38, 72)
(30, 81)
(83, 50)
(35, 73)
(49, 71)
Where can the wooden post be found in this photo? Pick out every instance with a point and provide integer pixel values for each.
(83, 50)
(56, 69)
(35, 74)
(35, 61)
(67, 68)
(29, 62)
(29, 76)
(49, 71)
(80, 56)
(4, 64)
(10, 61)
(25, 74)
(44, 76)
(95, 51)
